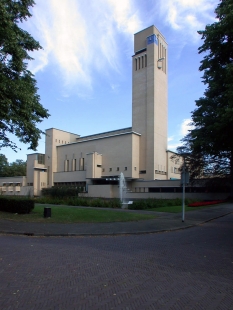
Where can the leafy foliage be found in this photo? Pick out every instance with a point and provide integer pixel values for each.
(3, 165)
(79, 201)
(17, 168)
(20, 109)
(16, 205)
(209, 146)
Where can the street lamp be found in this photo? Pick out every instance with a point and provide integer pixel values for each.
(184, 180)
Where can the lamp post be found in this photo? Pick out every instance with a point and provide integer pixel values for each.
(183, 196)
(184, 179)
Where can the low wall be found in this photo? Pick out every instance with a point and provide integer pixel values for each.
(198, 196)
(112, 191)
(101, 191)
(17, 191)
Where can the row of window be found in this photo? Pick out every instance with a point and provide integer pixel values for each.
(160, 172)
(175, 170)
(162, 53)
(61, 141)
(11, 184)
(79, 184)
(140, 62)
(117, 169)
(74, 166)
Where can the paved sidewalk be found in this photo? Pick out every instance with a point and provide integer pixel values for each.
(163, 222)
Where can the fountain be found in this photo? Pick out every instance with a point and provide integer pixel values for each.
(122, 190)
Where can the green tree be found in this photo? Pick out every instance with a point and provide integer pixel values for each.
(17, 168)
(3, 165)
(210, 142)
(20, 109)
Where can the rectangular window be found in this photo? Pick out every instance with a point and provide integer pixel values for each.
(165, 61)
(74, 165)
(66, 165)
(136, 65)
(118, 169)
(142, 62)
(81, 164)
(48, 175)
(125, 168)
(135, 168)
(110, 169)
(41, 159)
(145, 60)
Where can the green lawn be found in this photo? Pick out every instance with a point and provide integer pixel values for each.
(61, 214)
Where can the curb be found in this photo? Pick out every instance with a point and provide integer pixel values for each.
(29, 234)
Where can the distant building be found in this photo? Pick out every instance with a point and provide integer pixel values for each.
(94, 162)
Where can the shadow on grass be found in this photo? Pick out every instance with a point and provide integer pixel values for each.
(65, 214)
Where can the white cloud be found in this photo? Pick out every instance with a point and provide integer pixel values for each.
(173, 146)
(79, 37)
(188, 16)
(175, 141)
(186, 126)
(124, 16)
(172, 143)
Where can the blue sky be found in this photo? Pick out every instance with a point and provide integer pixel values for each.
(84, 71)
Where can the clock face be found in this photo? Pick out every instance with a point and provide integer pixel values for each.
(152, 39)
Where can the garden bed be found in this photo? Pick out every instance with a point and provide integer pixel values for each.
(205, 203)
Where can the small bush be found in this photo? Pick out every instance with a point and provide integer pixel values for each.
(16, 205)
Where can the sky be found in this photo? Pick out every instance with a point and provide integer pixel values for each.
(84, 71)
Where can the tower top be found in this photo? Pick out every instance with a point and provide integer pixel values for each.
(140, 38)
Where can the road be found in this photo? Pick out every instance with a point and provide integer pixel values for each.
(184, 269)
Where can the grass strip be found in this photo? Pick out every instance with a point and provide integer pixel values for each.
(65, 214)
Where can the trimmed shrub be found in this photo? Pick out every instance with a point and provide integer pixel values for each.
(156, 203)
(61, 191)
(81, 201)
(16, 205)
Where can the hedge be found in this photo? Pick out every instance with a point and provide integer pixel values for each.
(16, 205)
(61, 191)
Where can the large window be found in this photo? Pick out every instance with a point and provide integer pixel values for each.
(41, 159)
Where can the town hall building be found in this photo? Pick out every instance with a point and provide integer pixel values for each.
(95, 162)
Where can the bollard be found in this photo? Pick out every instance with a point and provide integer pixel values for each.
(47, 212)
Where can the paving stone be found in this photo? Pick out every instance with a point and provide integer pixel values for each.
(183, 269)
